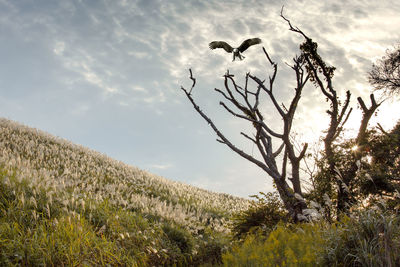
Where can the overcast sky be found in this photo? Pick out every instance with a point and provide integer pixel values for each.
(106, 74)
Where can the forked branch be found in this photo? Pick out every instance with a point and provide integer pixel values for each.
(243, 103)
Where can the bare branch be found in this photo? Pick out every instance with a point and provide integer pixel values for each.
(367, 114)
(275, 67)
(278, 151)
(269, 92)
(222, 139)
(223, 94)
(248, 137)
(193, 79)
(236, 114)
(382, 130)
(291, 28)
(303, 152)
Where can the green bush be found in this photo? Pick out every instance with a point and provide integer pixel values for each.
(179, 237)
(264, 214)
(211, 247)
(296, 245)
(367, 238)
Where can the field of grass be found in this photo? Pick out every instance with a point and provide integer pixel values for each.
(64, 204)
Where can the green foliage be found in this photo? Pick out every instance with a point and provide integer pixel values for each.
(381, 173)
(181, 238)
(67, 241)
(369, 238)
(74, 172)
(314, 61)
(180, 244)
(296, 245)
(374, 176)
(211, 249)
(385, 74)
(263, 215)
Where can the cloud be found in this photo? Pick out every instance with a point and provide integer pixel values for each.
(80, 109)
(59, 48)
(161, 166)
(139, 55)
(139, 89)
(128, 59)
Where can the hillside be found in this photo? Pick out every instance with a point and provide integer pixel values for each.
(53, 179)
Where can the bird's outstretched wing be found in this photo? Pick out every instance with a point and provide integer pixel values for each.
(221, 44)
(247, 43)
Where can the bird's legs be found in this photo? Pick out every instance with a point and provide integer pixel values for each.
(237, 54)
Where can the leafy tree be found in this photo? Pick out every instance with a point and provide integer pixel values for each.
(366, 166)
(376, 174)
(380, 173)
(385, 74)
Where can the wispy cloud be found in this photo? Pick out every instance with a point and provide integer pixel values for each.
(128, 59)
(161, 166)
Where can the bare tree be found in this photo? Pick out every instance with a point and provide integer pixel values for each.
(283, 163)
(244, 104)
(385, 74)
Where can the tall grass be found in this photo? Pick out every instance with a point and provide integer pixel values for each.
(368, 238)
(71, 172)
(63, 204)
(38, 229)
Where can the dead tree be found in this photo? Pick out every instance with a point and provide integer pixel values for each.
(309, 66)
(244, 104)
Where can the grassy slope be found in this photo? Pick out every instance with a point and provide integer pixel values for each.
(50, 185)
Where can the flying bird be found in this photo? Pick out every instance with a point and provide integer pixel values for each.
(236, 51)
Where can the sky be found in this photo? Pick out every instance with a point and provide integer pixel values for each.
(106, 74)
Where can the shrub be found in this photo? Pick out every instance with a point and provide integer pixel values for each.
(179, 237)
(179, 243)
(211, 247)
(264, 214)
(297, 245)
